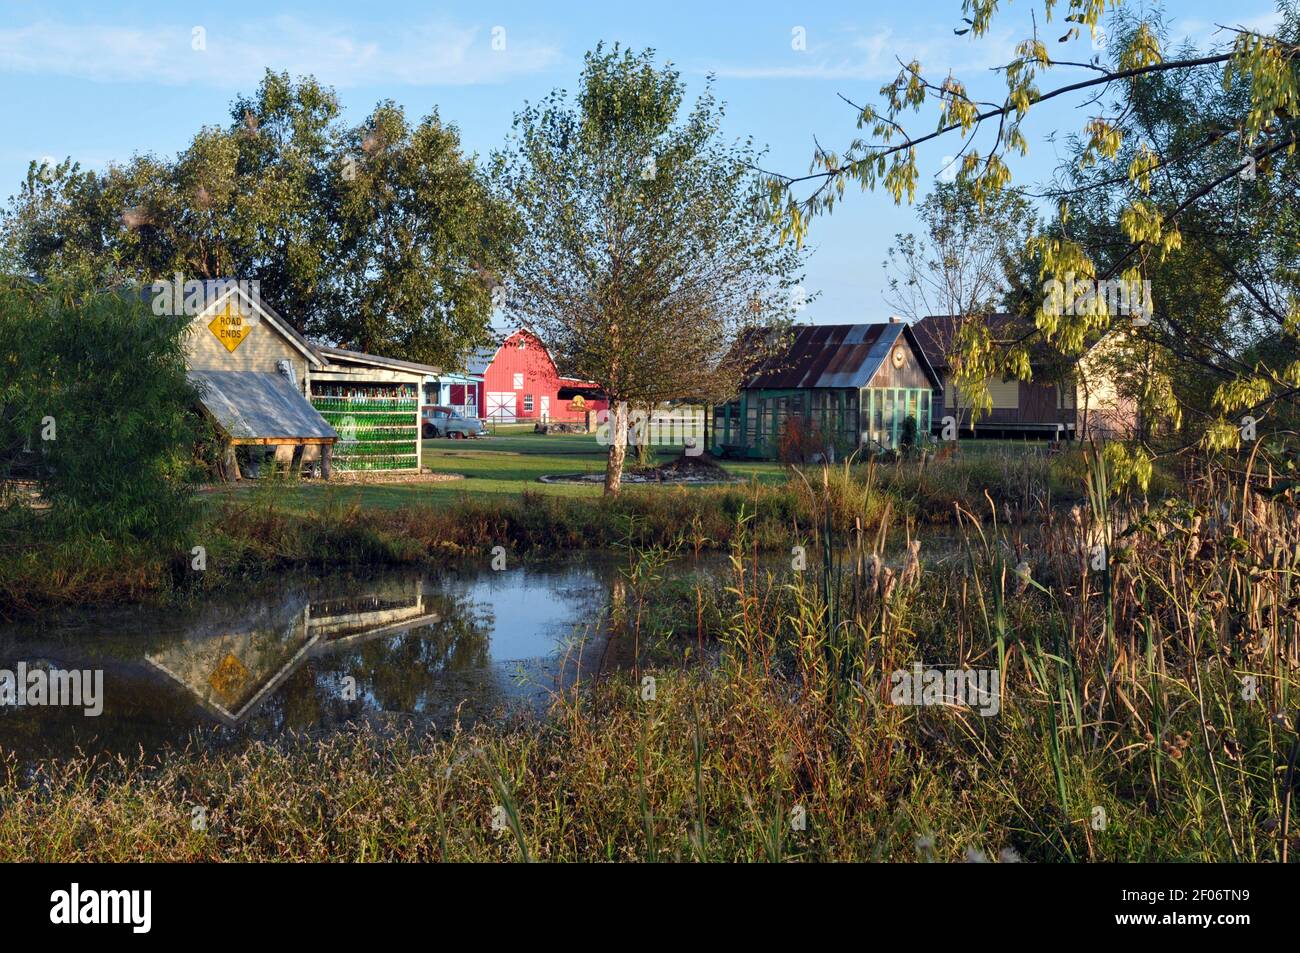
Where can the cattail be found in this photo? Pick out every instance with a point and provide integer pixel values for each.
(1022, 577)
(912, 571)
(873, 571)
(1259, 513)
(887, 583)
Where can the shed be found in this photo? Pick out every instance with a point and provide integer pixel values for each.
(374, 403)
(1066, 398)
(251, 367)
(836, 386)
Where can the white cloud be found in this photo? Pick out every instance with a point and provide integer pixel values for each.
(236, 55)
(876, 56)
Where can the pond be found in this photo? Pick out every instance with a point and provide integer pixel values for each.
(314, 654)
(309, 655)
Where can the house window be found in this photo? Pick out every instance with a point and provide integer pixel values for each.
(528, 403)
(519, 382)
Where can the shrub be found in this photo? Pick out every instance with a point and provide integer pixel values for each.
(96, 410)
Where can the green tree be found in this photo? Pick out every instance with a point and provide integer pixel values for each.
(962, 260)
(95, 409)
(421, 243)
(376, 237)
(644, 244)
(1180, 147)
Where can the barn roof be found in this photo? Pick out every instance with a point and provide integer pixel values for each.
(252, 405)
(834, 355)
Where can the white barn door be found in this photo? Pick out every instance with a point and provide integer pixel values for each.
(501, 406)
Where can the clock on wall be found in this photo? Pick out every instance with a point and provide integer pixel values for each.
(900, 358)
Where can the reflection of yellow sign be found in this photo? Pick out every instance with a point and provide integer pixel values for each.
(578, 402)
(228, 677)
(231, 326)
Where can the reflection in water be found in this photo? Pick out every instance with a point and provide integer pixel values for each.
(232, 672)
(312, 656)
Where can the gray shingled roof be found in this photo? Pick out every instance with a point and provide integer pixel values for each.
(252, 405)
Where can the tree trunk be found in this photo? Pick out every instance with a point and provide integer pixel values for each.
(617, 449)
(644, 454)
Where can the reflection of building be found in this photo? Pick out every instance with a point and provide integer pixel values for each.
(232, 672)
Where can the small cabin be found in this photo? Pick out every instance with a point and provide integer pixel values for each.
(1074, 399)
(833, 389)
(251, 369)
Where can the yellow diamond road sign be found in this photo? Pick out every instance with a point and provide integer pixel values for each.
(231, 326)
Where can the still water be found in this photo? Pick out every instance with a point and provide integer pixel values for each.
(310, 655)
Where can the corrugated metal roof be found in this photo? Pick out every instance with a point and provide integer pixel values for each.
(828, 355)
(252, 405)
(344, 355)
(935, 334)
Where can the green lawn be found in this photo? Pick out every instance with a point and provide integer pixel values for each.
(511, 460)
(508, 463)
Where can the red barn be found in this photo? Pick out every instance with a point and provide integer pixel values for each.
(521, 383)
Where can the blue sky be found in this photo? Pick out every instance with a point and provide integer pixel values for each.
(98, 84)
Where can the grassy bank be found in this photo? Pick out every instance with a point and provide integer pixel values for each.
(270, 525)
(1146, 712)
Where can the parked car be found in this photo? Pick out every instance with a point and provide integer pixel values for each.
(447, 422)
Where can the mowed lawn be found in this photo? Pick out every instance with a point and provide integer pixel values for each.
(506, 463)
